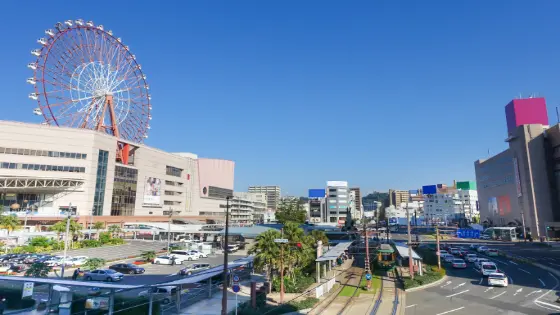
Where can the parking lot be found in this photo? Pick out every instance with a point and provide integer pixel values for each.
(132, 248)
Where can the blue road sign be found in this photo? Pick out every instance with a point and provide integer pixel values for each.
(235, 278)
(368, 276)
(235, 288)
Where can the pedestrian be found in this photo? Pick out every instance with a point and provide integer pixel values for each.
(3, 305)
(76, 274)
(173, 260)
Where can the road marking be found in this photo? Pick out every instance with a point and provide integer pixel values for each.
(460, 308)
(536, 291)
(547, 292)
(525, 271)
(490, 288)
(548, 304)
(498, 295)
(513, 262)
(446, 284)
(518, 291)
(452, 295)
(481, 279)
(554, 264)
(542, 282)
(171, 275)
(460, 285)
(410, 305)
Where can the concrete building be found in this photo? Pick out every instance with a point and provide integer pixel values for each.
(247, 208)
(337, 202)
(443, 204)
(396, 197)
(353, 202)
(50, 170)
(317, 206)
(357, 198)
(519, 185)
(272, 193)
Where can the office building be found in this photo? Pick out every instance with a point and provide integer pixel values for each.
(247, 208)
(396, 197)
(272, 193)
(337, 202)
(357, 198)
(316, 205)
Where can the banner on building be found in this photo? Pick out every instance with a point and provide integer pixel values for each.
(504, 205)
(152, 192)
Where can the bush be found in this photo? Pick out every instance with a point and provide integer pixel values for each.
(104, 237)
(93, 263)
(116, 241)
(90, 243)
(38, 270)
(298, 284)
(40, 241)
(432, 274)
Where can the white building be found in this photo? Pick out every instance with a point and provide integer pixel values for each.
(453, 205)
(273, 194)
(337, 202)
(247, 208)
(353, 206)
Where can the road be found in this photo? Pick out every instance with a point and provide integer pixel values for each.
(531, 291)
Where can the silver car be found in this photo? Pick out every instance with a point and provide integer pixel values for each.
(103, 275)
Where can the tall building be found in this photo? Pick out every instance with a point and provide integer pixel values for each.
(337, 202)
(358, 198)
(316, 205)
(272, 195)
(247, 208)
(396, 197)
(520, 186)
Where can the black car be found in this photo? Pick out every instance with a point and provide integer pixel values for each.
(17, 268)
(127, 268)
(42, 259)
(19, 258)
(7, 257)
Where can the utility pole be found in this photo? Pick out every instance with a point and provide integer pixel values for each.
(169, 229)
(91, 223)
(225, 271)
(523, 223)
(437, 250)
(282, 269)
(69, 216)
(410, 260)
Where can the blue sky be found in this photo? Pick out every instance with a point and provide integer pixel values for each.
(383, 94)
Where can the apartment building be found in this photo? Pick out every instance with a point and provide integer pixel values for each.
(272, 195)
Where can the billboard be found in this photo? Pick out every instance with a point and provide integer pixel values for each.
(152, 192)
(413, 193)
(470, 185)
(316, 193)
(493, 205)
(337, 183)
(504, 205)
(429, 190)
(468, 233)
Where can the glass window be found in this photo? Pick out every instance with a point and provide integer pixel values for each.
(20, 151)
(2, 149)
(26, 152)
(65, 169)
(49, 167)
(73, 155)
(43, 167)
(12, 165)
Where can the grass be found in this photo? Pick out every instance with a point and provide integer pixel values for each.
(347, 291)
(431, 275)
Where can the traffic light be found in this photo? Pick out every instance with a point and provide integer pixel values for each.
(298, 245)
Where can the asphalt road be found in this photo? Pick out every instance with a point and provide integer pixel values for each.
(131, 248)
(531, 291)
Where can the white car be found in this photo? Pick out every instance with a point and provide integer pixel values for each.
(459, 263)
(167, 260)
(77, 261)
(55, 261)
(497, 279)
(198, 254)
(482, 249)
(448, 258)
(443, 252)
(478, 262)
(185, 254)
(165, 294)
(488, 268)
(471, 258)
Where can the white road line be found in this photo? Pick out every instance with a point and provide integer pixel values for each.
(547, 292)
(411, 305)
(490, 288)
(536, 291)
(513, 262)
(548, 304)
(498, 295)
(518, 291)
(452, 295)
(460, 308)
(554, 264)
(446, 284)
(542, 282)
(460, 285)
(525, 271)
(481, 279)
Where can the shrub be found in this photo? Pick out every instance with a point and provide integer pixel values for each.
(116, 241)
(40, 241)
(94, 263)
(90, 243)
(104, 237)
(432, 274)
(38, 270)
(296, 285)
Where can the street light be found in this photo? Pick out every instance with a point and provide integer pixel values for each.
(69, 216)
(224, 276)
(169, 229)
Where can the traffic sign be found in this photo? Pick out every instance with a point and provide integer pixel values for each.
(281, 240)
(368, 276)
(235, 288)
(235, 278)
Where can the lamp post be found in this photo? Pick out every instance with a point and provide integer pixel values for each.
(410, 260)
(69, 216)
(224, 275)
(169, 229)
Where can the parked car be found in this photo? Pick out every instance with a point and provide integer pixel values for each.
(5, 268)
(189, 270)
(127, 268)
(443, 252)
(492, 252)
(197, 253)
(33, 258)
(459, 263)
(17, 268)
(232, 248)
(77, 261)
(165, 294)
(488, 268)
(166, 260)
(7, 257)
(54, 261)
(471, 257)
(463, 252)
(184, 255)
(498, 279)
(103, 275)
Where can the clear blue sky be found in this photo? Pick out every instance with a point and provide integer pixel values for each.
(383, 94)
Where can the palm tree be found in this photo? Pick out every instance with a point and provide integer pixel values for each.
(59, 227)
(317, 235)
(266, 252)
(9, 223)
(114, 230)
(98, 226)
(148, 255)
(38, 270)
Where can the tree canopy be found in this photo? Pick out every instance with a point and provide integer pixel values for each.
(9, 223)
(291, 211)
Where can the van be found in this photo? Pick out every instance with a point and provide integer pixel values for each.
(183, 255)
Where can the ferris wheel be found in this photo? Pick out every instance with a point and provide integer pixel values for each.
(84, 77)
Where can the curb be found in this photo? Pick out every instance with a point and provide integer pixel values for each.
(426, 285)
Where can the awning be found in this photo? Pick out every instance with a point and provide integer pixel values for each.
(403, 252)
(334, 252)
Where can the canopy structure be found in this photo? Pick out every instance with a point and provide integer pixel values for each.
(72, 283)
(207, 274)
(334, 252)
(403, 252)
(248, 232)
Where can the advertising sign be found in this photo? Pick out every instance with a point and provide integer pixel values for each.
(97, 303)
(316, 193)
(393, 220)
(429, 190)
(468, 233)
(504, 205)
(152, 191)
(27, 289)
(413, 193)
(493, 205)
(517, 177)
(337, 183)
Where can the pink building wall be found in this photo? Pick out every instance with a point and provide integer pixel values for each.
(525, 112)
(215, 172)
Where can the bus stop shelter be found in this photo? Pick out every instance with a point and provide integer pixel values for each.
(403, 254)
(328, 257)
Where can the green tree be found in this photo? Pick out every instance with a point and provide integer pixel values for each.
(148, 255)
(317, 235)
(266, 252)
(59, 228)
(299, 252)
(97, 226)
(291, 211)
(93, 263)
(40, 241)
(348, 222)
(114, 230)
(476, 219)
(9, 223)
(104, 237)
(38, 270)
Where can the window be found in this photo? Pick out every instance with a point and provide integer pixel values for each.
(217, 192)
(332, 190)
(99, 195)
(332, 201)
(332, 196)
(332, 207)
(342, 196)
(173, 171)
(124, 191)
